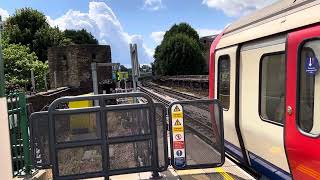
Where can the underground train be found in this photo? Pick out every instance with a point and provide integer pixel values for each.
(264, 68)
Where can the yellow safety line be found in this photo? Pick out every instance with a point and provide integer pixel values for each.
(225, 175)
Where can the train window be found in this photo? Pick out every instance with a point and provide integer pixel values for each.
(272, 87)
(308, 90)
(224, 81)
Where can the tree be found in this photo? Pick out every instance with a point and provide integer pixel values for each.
(179, 55)
(80, 36)
(183, 28)
(123, 68)
(180, 52)
(29, 27)
(18, 63)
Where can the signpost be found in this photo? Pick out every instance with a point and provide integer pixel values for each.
(178, 136)
(135, 65)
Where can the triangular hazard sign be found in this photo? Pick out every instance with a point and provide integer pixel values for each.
(177, 123)
(176, 109)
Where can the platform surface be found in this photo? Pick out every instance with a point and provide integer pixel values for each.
(229, 171)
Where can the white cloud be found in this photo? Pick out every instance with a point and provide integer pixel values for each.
(157, 36)
(237, 7)
(4, 14)
(207, 32)
(153, 5)
(105, 26)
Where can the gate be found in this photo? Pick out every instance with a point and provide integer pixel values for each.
(19, 135)
(121, 133)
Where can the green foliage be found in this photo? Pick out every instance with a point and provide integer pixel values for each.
(29, 27)
(182, 28)
(26, 38)
(180, 52)
(80, 37)
(18, 63)
(123, 68)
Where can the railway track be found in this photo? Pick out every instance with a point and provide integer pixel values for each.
(201, 129)
(197, 127)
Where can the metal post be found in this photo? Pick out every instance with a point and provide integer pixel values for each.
(33, 81)
(132, 51)
(2, 81)
(24, 133)
(94, 78)
(95, 81)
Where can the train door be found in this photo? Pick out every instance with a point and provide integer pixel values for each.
(262, 104)
(225, 79)
(302, 129)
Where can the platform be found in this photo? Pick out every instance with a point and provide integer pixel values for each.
(229, 171)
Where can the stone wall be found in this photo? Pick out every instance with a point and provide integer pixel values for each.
(206, 43)
(72, 65)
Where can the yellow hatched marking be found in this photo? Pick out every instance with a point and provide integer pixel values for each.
(225, 175)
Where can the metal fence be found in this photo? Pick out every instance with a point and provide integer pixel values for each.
(19, 135)
(101, 140)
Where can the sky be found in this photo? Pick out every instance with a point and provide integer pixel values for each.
(121, 22)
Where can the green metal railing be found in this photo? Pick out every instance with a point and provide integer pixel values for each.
(19, 134)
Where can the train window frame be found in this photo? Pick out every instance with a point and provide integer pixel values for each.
(225, 56)
(260, 87)
(298, 89)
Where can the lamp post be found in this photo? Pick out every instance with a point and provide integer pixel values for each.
(2, 88)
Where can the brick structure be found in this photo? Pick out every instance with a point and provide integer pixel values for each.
(72, 65)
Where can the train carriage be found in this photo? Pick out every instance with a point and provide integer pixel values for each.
(264, 69)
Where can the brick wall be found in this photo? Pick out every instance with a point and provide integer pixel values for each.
(72, 65)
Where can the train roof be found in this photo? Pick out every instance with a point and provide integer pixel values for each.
(279, 17)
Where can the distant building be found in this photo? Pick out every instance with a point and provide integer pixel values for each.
(206, 43)
(70, 66)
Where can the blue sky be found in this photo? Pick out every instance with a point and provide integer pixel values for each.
(120, 22)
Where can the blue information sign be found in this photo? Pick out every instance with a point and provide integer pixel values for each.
(114, 76)
(180, 162)
(312, 65)
(179, 153)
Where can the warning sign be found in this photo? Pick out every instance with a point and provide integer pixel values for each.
(177, 112)
(178, 135)
(178, 145)
(178, 129)
(176, 109)
(177, 123)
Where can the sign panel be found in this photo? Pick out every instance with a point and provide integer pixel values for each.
(179, 154)
(311, 65)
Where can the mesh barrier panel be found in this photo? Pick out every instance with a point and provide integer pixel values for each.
(79, 160)
(39, 127)
(202, 136)
(88, 140)
(130, 155)
(161, 136)
(122, 123)
(203, 133)
(75, 127)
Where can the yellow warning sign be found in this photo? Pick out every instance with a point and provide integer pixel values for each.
(178, 129)
(177, 123)
(177, 115)
(176, 109)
